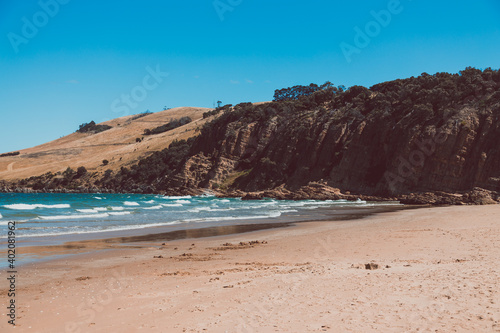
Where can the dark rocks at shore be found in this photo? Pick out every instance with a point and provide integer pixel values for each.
(253, 196)
(477, 196)
(179, 191)
(59, 190)
(313, 191)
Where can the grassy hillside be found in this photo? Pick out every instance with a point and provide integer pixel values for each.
(118, 145)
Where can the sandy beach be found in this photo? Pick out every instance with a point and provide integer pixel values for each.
(431, 270)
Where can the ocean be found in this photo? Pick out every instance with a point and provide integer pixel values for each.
(42, 217)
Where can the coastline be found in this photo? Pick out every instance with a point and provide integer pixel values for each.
(32, 250)
(437, 271)
(311, 191)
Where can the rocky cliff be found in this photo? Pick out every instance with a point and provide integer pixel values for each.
(430, 139)
(418, 142)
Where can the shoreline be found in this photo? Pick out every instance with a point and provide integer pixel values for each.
(73, 244)
(436, 271)
(311, 191)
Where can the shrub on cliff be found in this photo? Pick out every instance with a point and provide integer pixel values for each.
(169, 126)
(141, 115)
(16, 153)
(92, 127)
(217, 110)
(81, 171)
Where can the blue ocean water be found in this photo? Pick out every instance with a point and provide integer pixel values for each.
(39, 215)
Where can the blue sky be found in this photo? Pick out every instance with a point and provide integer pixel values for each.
(80, 58)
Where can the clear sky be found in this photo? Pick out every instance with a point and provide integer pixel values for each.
(65, 62)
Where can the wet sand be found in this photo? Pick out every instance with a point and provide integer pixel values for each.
(40, 249)
(436, 271)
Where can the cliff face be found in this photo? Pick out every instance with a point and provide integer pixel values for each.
(368, 155)
(357, 146)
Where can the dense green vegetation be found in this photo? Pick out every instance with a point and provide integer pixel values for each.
(169, 126)
(295, 92)
(92, 127)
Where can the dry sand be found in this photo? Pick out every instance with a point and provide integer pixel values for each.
(437, 272)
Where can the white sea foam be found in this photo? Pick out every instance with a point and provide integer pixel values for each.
(182, 201)
(272, 214)
(117, 208)
(275, 214)
(268, 203)
(252, 206)
(92, 210)
(150, 202)
(139, 226)
(225, 209)
(200, 209)
(87, 210)
(119, 213)
(98, 198)
(75, 231)
(1, 216)
(177, 197)
(289, 211)
(292, 204)
(154, 207)
(131, 203)
(319, 202)
(72, 217)
(172, 205)
(34, 206)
